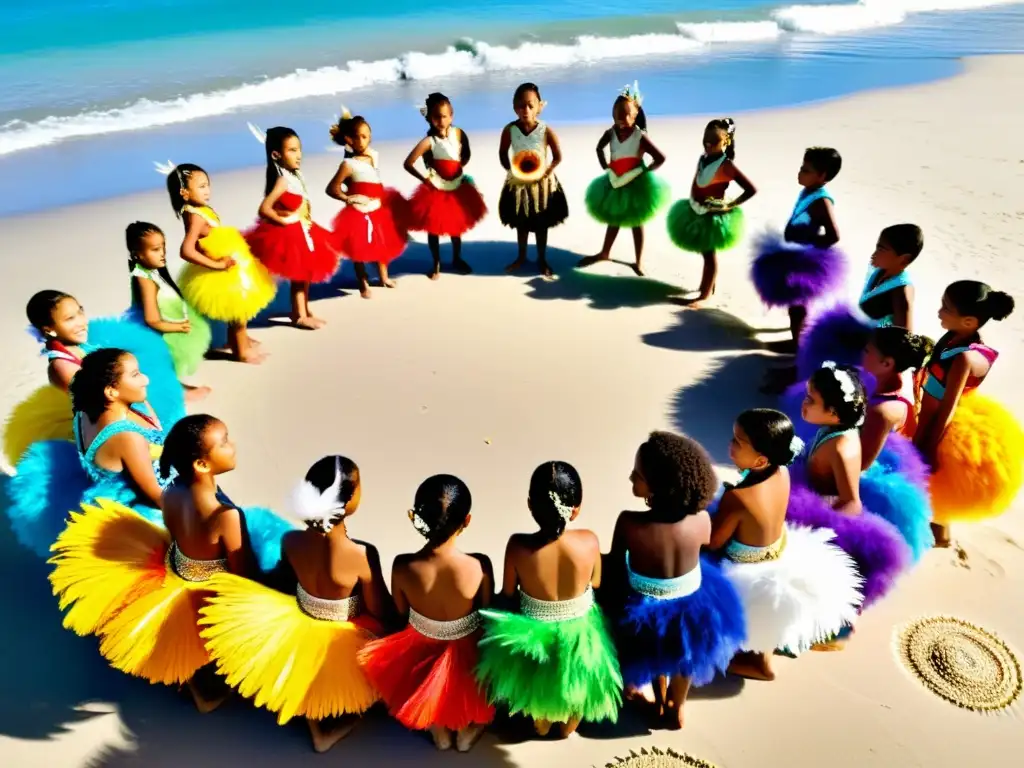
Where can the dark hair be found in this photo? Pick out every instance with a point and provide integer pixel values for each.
(133, 235)
(434, 100)
(972, 298)
(41, 306)
(770, 433)
(641, 116)
(324, 474)
(274, 142)
(907, 350)
(550, 481)
(443, 502)
(183, 446)
(345, 129)
(523, 89)
(100, 369)
(905, 239)
(679, 475)
(827, 381)
(177, 182)
(824, 160)
(728, 125)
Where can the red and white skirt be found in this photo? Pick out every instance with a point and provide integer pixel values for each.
(288, 253)
(377, 236)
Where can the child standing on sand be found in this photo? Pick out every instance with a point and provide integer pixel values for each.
(221, 279)
(628, 194)
(706, 223)
(373, 225)
(286, 239)
(532, 199)
(447, 203)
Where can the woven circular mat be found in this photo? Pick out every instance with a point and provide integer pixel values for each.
(960, 662)
(655, 758)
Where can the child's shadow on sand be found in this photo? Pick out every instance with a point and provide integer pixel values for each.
(706, 330)
(706, 409)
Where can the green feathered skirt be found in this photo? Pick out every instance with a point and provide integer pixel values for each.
(555, 670)
(703, 232)
(632, 205)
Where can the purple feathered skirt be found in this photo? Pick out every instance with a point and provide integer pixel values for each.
(876, 545)
(838, 333)
(695, 636)
(789, 274)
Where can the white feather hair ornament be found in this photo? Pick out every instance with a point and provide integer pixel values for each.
(257, 133)
(311, 505)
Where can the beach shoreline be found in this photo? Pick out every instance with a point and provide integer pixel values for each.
(486, 376)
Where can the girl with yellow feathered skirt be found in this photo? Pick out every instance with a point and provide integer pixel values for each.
(975, 445)
(139, 586)
(296, 654)
(221, 278)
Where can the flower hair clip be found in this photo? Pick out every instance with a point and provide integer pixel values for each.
(796, 447)
(421, 525)
(844, 379)
(564, 510)
(632, 93)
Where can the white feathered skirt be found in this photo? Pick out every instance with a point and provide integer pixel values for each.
(805, 596)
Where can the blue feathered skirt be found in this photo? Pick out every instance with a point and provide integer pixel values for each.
(789, 274)
(694, 636)
(895, 498)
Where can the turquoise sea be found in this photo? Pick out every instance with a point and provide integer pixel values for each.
(85, 81)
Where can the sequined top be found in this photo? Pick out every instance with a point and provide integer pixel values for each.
(664, 589)
(556, 610)
(320, 608)
(444, 630)
(194, 570)
(744, 553)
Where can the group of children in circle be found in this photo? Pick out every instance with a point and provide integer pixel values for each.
(191, 589)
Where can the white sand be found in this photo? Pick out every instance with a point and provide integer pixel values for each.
(486, 376)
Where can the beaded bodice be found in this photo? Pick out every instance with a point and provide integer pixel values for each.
(556, 610)
(195, 570)
(320, 608)
(744, 553)
(664, 589)
(444, 630)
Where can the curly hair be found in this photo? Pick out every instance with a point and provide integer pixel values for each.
(850, 408)
(555, 486)
(678, 474)
(443, 502)
(184, 446)
(100, 369)
(907, 350)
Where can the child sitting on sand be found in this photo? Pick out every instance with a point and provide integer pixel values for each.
(681, 621)
(554, 661)
(426, 672)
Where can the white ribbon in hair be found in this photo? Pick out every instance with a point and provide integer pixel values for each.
(309, 504)
(845, 380)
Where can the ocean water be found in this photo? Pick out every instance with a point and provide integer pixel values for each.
(93, 91)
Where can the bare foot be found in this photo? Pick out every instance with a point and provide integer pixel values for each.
(673, 717)
(365, 292)
(695, 303)
(588, 261)
(442, 737)
(195, 394)
(461, 267)
(565, 730)
(634, 693)
(515, 266)
(252, 356)
(542, 727)
(435, 273)
(205, 705)
(941, 534)
(320, 322)
(753, 666)
(638, 269)
(306, 323)
(467, 737)
(545, 270)
(254, 342)
(326, 737)
(389, 283)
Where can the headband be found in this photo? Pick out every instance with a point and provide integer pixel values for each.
(165, 169)
(632, 93)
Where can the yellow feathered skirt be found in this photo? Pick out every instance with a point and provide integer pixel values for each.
(287, 661)
(233, 295)
(112, 576)
(979, 463)
(43, 415)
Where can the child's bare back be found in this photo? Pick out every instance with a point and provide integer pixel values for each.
(759, 509)
(328, 567)
(443, 585)
(553, 570)
(662, 550)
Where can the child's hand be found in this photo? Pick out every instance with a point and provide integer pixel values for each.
(227, 263)
(184, 326)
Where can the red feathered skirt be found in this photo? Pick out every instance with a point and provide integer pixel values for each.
(377, 236)
(285, 251)
(427, 682)
(446, 213)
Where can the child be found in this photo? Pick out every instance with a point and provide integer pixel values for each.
(555, 660)
(891, 356)
(682, 621)
(221, 279)
(532, 199)
(797, 588)
(158, 303)
(628, 194)
(706, 223)
(373, 225)
(447, 203)
(887, 299)
(974, 445)
(827, 491)
(287, 240)
(308, 642)
(426, 672)
(63, 327)
(142, 592)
